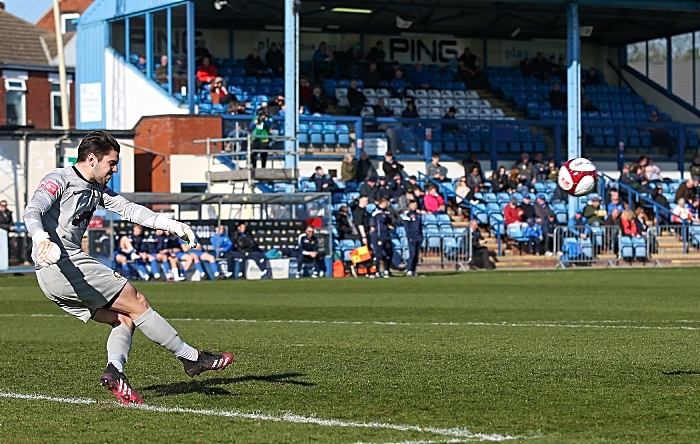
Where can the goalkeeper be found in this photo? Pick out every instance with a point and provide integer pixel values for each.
(57, 217)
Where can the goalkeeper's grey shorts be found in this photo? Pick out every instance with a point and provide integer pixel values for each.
(80, 284)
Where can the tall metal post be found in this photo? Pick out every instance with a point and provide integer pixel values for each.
(65, 119)
(149, 46)
(573, 91)
(291, 118)
(169, 49)
(190, 57)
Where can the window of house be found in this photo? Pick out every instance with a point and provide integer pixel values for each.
(67, 24)
(56, 122)
(16, 101)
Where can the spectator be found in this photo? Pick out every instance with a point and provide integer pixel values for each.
(613, 219)
(345, 225)
(553, 170)
(206, 71)
(469, 165)
(398, 188)
(435, 170)
(348, 169)
(681, 213)
(468, 71)
(260, 127)
(410, 112)
(420, 198)
(392, 72)
(219, 93)
(434, 203)
(474, 180)
(533, 233)
(6, 221)
(659, 198)
(276, 106)
(462, 190)
(380, 109)
(540, 67)
(384, 190)
(615, 202)
(641, 221)
(405, 200)
(499, 180)
(587, 105)
(513, 180)
(695, 168)
(390, 166)
(348, 61)
(365, 168)
(324, 182)
(542, 209)
(549, 225)
(512, 213)
(578, 225)
(247, 245)
(450, 127)
(557, 98)
(322, 61)
(223, 248)
(167, 255)
(528, 208)
(639, 182)
(479, 249)
(422, 79)
(361, 218)
(592, 211)
(318, 104)
(369, 188)
(629, 226)
(541, 168)
(526, 68)
(559, 195)
(652, 172)
(413, 183)
(356, 99)
(309, 261)
(592, 78)
(398, 84)
(381, 241)
(371, 78)
(141, 64)
(525, 169)
(306, 94)
(561, 69)
(180, 74)
(254, 65)
(162, 75)
(687, 190)
(201, 51)
(414, 232)
(377, 54)
(275, 60)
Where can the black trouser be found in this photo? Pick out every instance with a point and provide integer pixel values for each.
(260, 260)
(413, 252)
(483, 253)
(259, 145)
(382, 249)
(231, 257)
(308, 262)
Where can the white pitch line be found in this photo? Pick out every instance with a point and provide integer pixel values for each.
(599, 324)
(464, 434)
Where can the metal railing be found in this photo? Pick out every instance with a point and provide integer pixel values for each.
(586, 245)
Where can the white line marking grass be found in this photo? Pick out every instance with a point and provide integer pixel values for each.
(457, 433)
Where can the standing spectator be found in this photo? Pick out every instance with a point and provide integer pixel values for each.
(384, 189)
(695, 168)
(309, 258)
(414, 231)
(322, 62)
(534, 235)
(201, 51)
(592, 211)
(466, 69)
(549, 225)
(223, 248)
(260, 127)
(512, 213)
(345, 225)
(578, 225)
(526, 68)
(413, 183)
(391, 166)
(361, 219)
(687, 190)
(474, 180)
(348, 169)
(306, 94)
(356, 99)
(410, 112)
(435, 170)
(541, 168)
(553, 170)
(6, 221)
(369, 188)
(381, 241)
(525, 170)
(422, 79)
(377, 54)
(398, 188)
(478, 247)
(275, 60)
(557, 98)
(206, 71)
(398, 84)
(472, 163)
(372, 79)
(324, 182)
(247, 245)
(318, 104)
(434, 203)
(254, 65)
(420, 198)
(528, 208)
(219, 93)
(365, 168)
(542, 209)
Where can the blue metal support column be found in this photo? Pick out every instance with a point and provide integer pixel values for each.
(291, 54)
(169, 42)
(127, 40)
(149, 45)
(573, 90)
(190, 57)
(669, 65)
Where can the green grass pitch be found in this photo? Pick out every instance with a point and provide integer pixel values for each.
(590, 356)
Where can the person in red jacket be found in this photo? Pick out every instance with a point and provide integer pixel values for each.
(433, 202)
(512, 212)
(206, 71)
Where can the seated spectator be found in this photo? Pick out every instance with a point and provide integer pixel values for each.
(638, 182)
(540, 66)
(6, 221)
(479, 248)
(369, 189)
(578, 226)
(324, 182)
(254, 65)
(361, 218)
(659, 198)
(356, 99)
(422, 79)
(321, 61)
(522, 187)
(450, 127)
(201, 51)
(275, 60)
(694, 168)
(592, 78)
(420, 198)
(398, 84)
(613, 219)
(309, 261)
(641, 221)
(413, 183)
(162, 70)
(474, 180)
(559, 195)
(553, 170)
(525, 169)
(526, 68)
(512, 213)
(404, 200)
(469, 70)
(318, 104)
(499, 180)
(384, 190)
(435, 170)
(365, 168)
(247, 245)
(410, 112)
(398, 188)
(513, 180)
(348, 168)
(592, 211)
(434, 203)
(306, 94)
(372, 79)
(391, 166)
(391, 74)
(629, 226)
(380, 109)
(541, 168)
(528, 208)
(376, 54)
(141, 64)
(223, 248)
(681, 213)
(542, 209)
(469, 165)
(615, 202)
(219, 93)
(557, 98)
(206, 71)
(587, 105)
(462, 190)
(533, 233)
(548, 226)
(652, 172)
(345, 225)
(687, 190)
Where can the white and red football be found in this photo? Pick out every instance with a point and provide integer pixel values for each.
(578, 177)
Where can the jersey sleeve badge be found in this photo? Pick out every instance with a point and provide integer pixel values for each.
(51, 187)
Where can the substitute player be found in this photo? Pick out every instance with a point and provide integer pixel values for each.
(57, 217)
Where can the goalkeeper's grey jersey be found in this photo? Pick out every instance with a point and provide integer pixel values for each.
(64, 202)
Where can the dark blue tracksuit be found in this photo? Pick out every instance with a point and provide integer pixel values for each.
(308, 245)
(414, 233)
(381, 241)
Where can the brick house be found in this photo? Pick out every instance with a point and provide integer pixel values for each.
(29, 86)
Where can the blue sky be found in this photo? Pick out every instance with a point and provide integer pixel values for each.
(29, 10)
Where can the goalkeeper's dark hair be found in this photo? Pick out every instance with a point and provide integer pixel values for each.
(99, 143)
